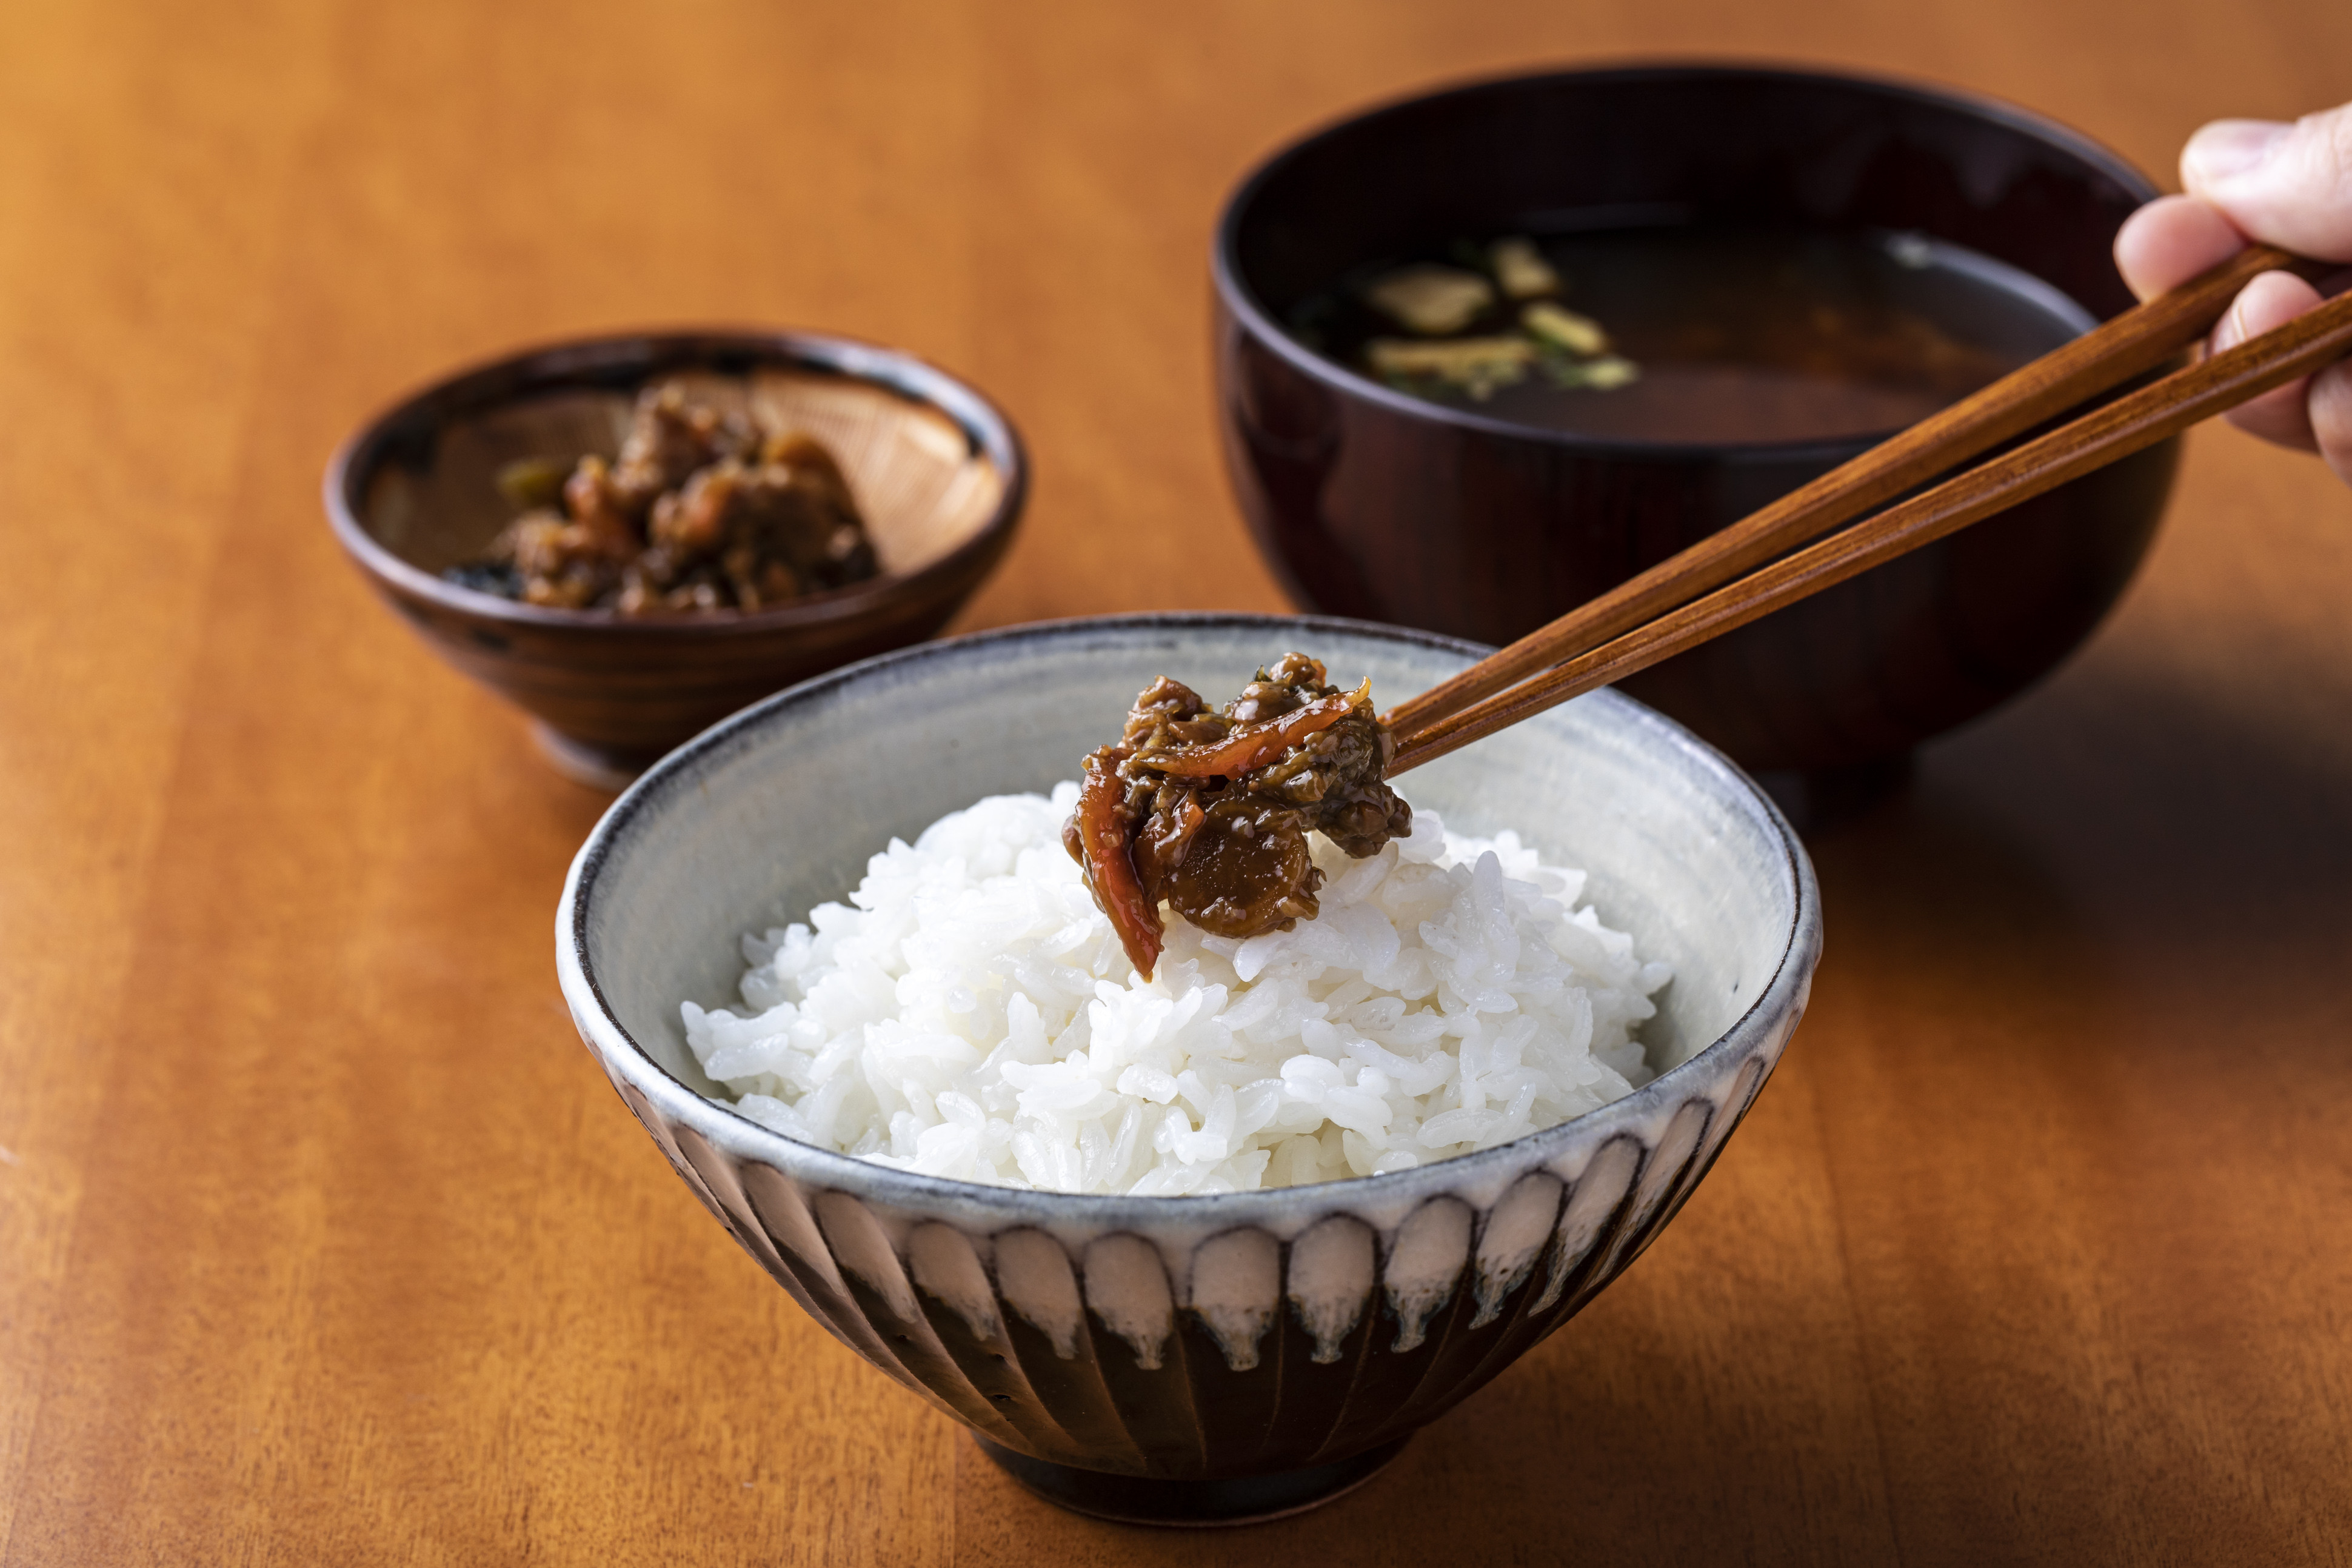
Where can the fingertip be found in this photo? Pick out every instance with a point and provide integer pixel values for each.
(2226, 148)
(2171, 240)
(2281, 416)
(2287, 415)
(2328, 409)
(2271, 300)
(2287, 185)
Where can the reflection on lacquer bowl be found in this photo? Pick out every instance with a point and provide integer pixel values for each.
(1198, 1359)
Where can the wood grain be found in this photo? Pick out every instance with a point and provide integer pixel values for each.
(322, 1239)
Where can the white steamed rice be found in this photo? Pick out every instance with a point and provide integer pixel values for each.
(969, 1013)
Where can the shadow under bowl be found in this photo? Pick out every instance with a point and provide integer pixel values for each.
(936, 470)
(1184, 1360)
(1371, 503)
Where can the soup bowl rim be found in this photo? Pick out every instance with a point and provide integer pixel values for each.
(1235, 294)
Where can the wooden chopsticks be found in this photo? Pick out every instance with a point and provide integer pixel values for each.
(1685, 600)
(2101, 359)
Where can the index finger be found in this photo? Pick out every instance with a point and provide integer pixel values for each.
(2171, 240)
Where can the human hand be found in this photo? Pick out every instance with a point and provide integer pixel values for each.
(2287, 185)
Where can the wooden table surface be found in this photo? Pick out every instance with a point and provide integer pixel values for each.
(322, 1241)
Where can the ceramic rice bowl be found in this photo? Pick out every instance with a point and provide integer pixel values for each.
(1184, 1359)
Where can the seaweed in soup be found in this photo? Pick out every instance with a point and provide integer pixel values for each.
(1705, 331)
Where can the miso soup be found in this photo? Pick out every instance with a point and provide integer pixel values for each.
(1711, 333)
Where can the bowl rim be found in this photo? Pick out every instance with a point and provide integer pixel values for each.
(1234, 295)
(1782, 995)
(559, 362)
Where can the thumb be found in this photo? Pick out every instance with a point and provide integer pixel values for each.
(2287, 185)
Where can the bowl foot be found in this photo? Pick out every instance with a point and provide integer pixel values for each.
(1239, 1500)
(608, 767)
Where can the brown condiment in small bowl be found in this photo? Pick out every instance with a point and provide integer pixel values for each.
(937, 472)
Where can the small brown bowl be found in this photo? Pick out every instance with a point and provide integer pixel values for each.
(936, 469)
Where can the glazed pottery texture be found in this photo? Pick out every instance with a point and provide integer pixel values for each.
(1193, 1358)
(937, 472)
(1371, 503)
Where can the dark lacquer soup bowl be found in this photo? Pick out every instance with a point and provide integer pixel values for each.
(1201, 1359)
(937, 471)
(1377, 503)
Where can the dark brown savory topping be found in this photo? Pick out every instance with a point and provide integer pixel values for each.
(701, 511)
(1210, 811)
